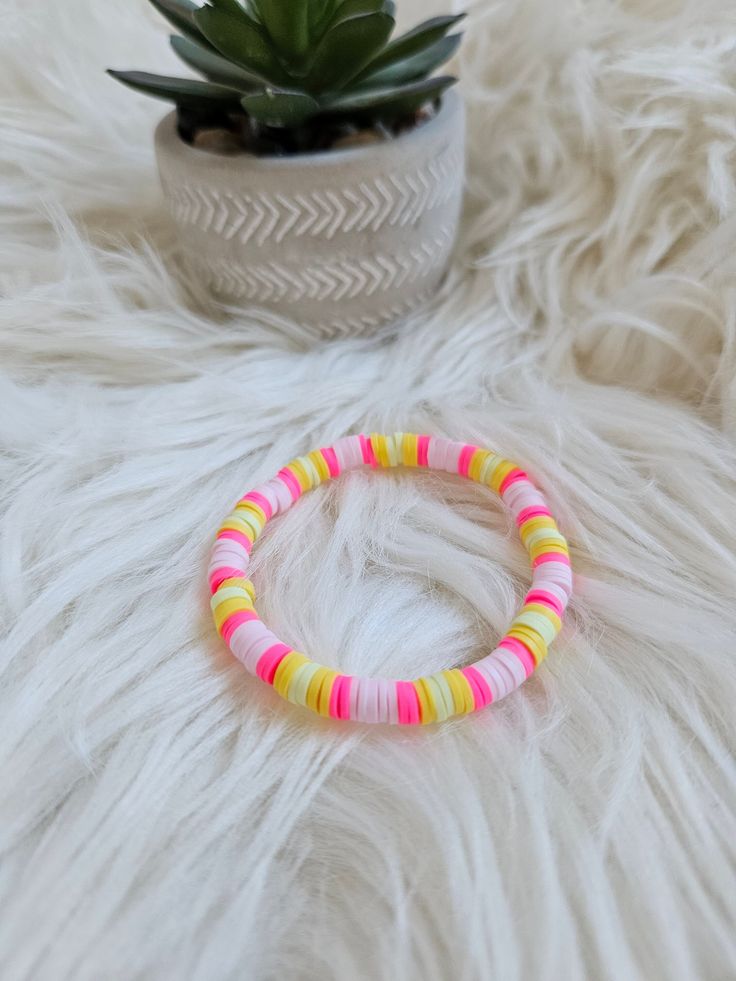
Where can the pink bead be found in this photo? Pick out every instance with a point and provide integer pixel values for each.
(513, 477)
(369, 456)
(436, 456)
(255, 497)
(519, 670)
(345, 698)
(218, 575)
(335, 697)
(481, 692)
(355, 691)
(250, 641)
(331, 460)
(238, 537)
(546, 598)
(281, 494)
(368, 702)
(466, 455)
(551, 557)
(349, 452)
(423, 451)
(270, 660)
(385, 692)
(453, 451)
(487, 669)
(290, 481)
(234, 621)
(526, 514)
(409, 703)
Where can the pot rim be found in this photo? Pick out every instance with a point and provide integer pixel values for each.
(168, 138)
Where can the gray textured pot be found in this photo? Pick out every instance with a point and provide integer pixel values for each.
(340, 241)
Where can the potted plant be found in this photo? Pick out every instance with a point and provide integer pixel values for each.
(316, 168)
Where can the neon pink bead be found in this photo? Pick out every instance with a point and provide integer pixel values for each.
(335, 697)
(533, 512)
(479, 686)
(219, 575)
(369, 456)
(255, 497)
(512, 477)
(345, 696)
(423, 451)
(331, 460)
(466, 455)
(404, 694)
(295, 488)
(270, 660)
(546, 598)
(551, 557)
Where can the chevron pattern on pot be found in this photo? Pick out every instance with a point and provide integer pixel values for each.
(343, 278)
(395, 200)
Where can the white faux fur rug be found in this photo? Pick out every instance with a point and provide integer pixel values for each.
(164, 817)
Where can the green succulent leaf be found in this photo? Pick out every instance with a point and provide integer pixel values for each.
(287, 22)
(349, 8)
(346, 49)
(242, 41)
(321, 13)
(392, 100)
(231, 7)
(182, 91)
(280, 107)
(415, 66)
(413, 42)
(180, 14)
(213, 66)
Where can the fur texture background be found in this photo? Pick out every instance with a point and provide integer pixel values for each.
(162, 816)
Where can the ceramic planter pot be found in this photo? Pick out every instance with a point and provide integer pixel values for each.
(340, 241)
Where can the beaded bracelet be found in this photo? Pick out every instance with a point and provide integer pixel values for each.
(430, 699)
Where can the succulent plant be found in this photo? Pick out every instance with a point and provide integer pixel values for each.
(290, 65)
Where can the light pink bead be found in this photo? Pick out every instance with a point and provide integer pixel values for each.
(368, 703)
(250, 641)
(267, 491)
(348, 452)
(553, 572)
(437, 453)
(452, 456)
(229, 552)
(513, 664)
(385, 690)
(280, 494)
(355, 690)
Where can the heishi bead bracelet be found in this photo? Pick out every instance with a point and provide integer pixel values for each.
(433, 698)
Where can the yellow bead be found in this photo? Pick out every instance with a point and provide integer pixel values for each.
(320, 464)
(409, 450)
(462, 693)
(286, 670)
(426, 705)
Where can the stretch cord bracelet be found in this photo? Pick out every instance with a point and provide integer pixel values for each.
(437, 696)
